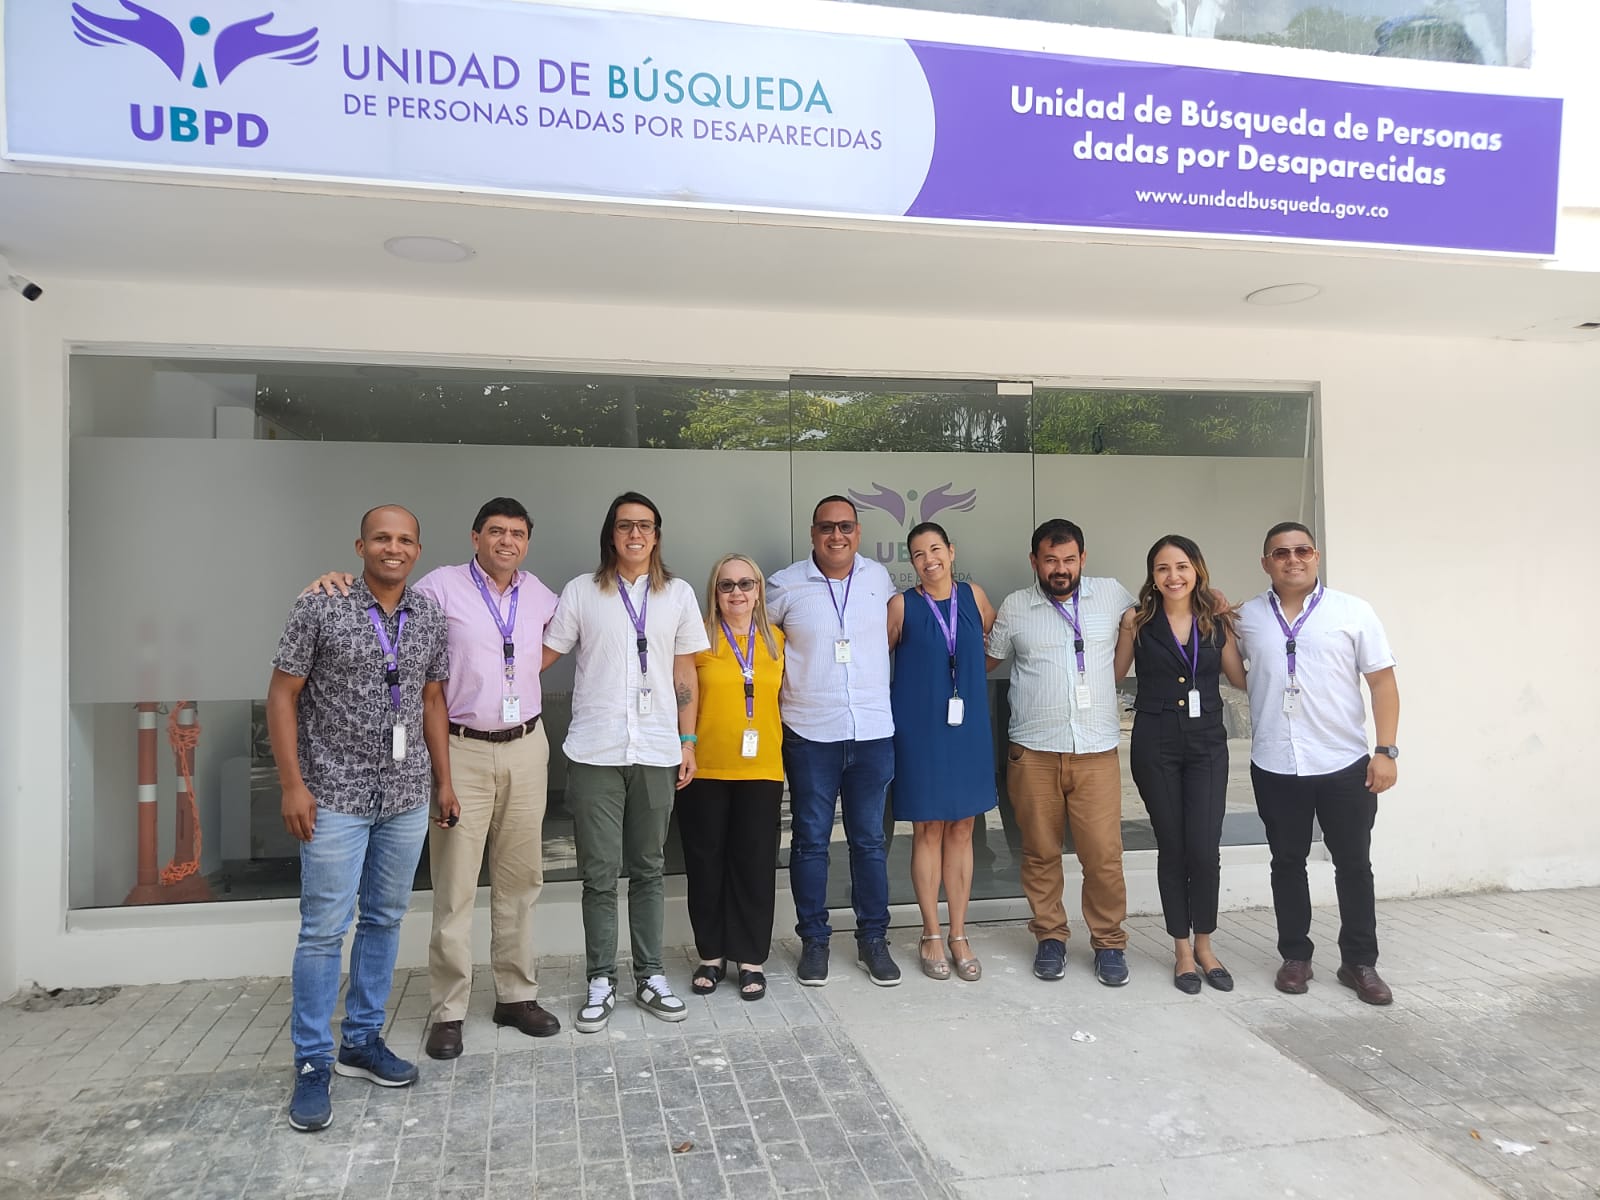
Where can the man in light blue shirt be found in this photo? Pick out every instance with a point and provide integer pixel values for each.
(1061, 765)
(838, 736)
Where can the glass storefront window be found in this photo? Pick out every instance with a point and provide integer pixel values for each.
(1462, 31)
(212, 492)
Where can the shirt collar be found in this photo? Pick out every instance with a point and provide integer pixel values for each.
(362, 595)
(1038, 596)
(815, 572)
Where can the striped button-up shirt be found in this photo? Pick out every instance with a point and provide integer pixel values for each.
(1045, 714)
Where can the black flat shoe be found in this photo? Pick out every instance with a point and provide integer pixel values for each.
(1219, 978)
(749, 978)
(1188, 982)
(708, 973)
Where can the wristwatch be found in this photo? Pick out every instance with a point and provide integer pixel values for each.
(1387, 751)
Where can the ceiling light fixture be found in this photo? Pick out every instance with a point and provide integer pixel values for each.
(422, 249)
(1284, 293)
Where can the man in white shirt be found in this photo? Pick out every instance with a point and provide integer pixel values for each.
(838, 736)
(1309, 647)
(1061, 765)
(630, 743)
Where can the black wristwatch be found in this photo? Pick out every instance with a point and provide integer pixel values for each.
(1387, 751)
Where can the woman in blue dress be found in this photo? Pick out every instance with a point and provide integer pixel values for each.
(943, 747)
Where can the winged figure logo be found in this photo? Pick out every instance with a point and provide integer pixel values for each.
(934, 501)
(232, 47)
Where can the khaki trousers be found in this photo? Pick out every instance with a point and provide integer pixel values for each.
(501, 787)
(1049, 791)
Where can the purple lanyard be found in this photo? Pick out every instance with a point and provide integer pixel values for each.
(391, 652)
(837, 607)
(1291, 632)
(638, 624)
(747, 667)
(948, 628)
(1191, 654)
(1071, 618)
(508, 626)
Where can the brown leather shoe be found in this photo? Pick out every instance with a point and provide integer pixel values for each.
(1293, 976)
(1365, 982)
(527, 1016)
(444, 1040)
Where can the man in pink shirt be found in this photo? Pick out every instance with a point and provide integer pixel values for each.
(499, 761)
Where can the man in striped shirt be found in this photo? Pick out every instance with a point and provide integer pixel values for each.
(1060, 635)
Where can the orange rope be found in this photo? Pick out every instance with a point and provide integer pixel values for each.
(184, 739)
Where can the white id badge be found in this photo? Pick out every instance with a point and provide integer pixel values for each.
(841, 650)
(397, 748)
(1291, 701)
(644, 702)
(955, 711)
(1084, 700)
(1194, 702)
(749, 743)
(511, 710)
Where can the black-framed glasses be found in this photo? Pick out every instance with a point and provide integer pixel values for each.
(728, 585)
(1282, 554)
(827, 527)
(644, 527)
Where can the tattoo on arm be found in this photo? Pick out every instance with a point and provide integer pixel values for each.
(684, 695)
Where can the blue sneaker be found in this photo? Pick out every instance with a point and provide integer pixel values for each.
(309, 1107)
(376, 1062)
(1111, 967)
(1050, 960)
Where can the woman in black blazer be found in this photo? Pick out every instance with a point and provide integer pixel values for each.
(1180, 639)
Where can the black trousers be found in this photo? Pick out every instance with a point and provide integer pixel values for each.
(1346, 811)
(1182, 776)
(729, 830)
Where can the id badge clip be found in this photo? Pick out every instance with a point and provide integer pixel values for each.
(841, 650)
(749, 743)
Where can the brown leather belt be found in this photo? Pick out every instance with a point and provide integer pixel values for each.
(495, 735)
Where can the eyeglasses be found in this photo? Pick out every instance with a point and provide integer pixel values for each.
(644, 527)
(827, 527)
(1282, 554)
(744, 585)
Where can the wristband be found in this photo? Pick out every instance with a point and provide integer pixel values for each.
(687, 739)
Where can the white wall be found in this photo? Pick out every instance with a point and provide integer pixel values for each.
(1455, 473)
(12, 688)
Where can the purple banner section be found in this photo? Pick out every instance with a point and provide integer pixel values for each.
(1051, 140)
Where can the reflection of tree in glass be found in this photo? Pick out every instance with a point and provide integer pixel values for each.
(1162, 423)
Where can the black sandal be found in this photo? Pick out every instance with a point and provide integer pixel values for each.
(746, 978)
(707, 971)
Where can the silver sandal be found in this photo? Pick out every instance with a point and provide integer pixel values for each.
(969, 969)
(933, 969)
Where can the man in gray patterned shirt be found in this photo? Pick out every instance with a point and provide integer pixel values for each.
(357, 717)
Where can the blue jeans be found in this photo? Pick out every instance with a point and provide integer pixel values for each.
(347, 858)
(857, 775)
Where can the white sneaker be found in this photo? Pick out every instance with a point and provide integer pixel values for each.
(594, 1016)
(654, 995)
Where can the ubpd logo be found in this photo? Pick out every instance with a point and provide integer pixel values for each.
(231, 47)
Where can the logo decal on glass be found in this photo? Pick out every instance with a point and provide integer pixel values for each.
(233, 46)
(933, 502)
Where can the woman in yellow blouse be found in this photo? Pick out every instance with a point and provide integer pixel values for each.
(728, 816)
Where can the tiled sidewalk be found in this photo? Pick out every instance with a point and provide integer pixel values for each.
(178, 1092)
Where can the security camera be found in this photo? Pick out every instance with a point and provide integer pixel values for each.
(28, 289)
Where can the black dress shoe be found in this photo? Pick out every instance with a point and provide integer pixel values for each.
(527, 1017)
(1219, 978)
(444, 1040)
(1365, 982)
(1187, 982)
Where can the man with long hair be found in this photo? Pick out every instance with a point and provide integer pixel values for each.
(630, 745)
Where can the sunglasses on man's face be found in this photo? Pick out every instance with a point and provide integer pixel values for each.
(728, 585)
(1282, 554)
(825, 528)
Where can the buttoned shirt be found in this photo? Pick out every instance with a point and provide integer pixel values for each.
(477, 683)
(1341, 641)
(345, 717)
(1045, 714)
(607, 727)
(823, 699)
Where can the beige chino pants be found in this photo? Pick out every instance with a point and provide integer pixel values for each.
(502, 790)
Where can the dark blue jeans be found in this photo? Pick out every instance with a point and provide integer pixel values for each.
(856, 775)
